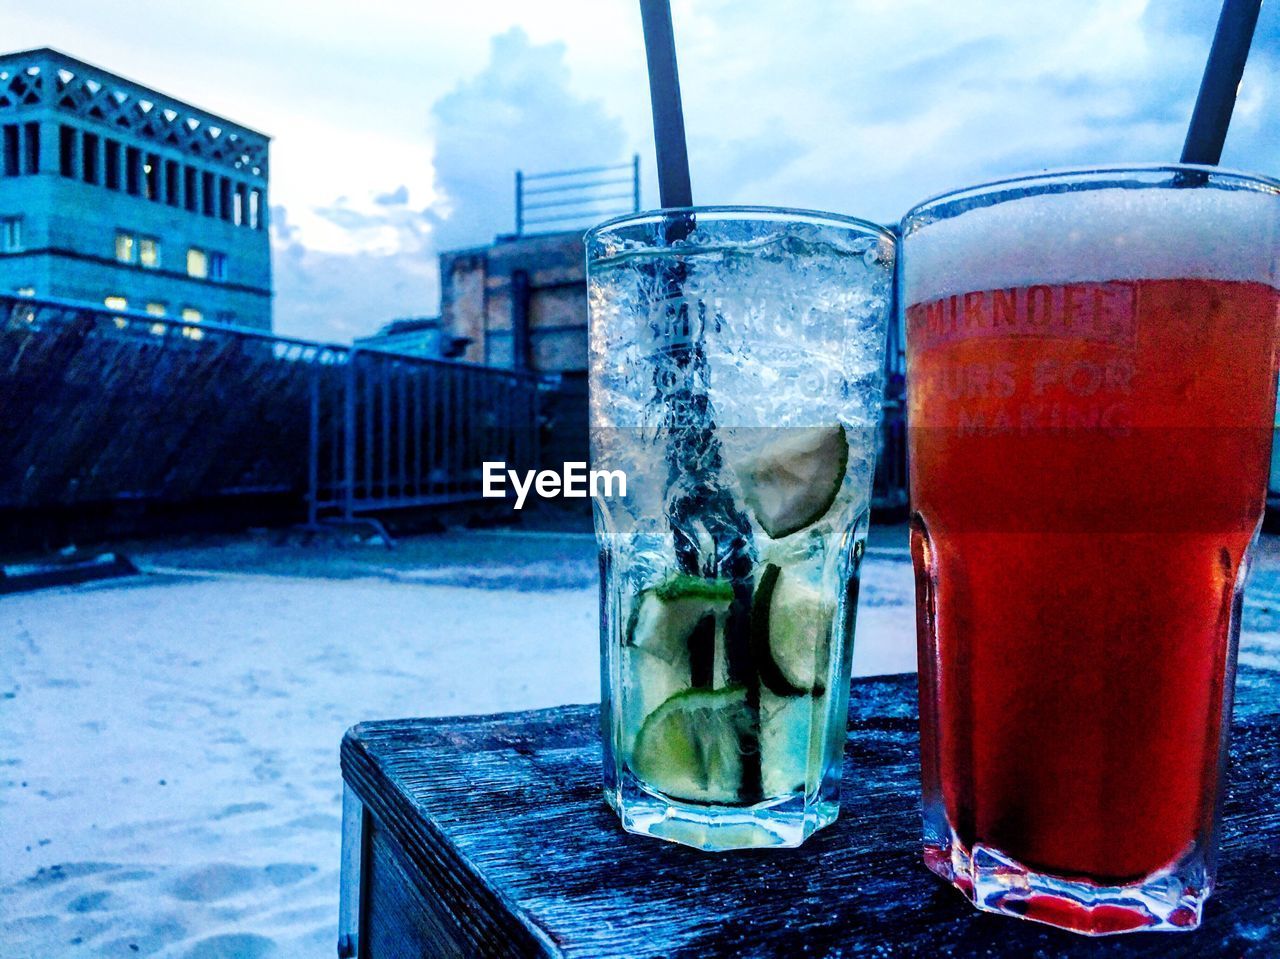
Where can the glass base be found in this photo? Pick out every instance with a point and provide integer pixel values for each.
(1170, 900)
(784, 823)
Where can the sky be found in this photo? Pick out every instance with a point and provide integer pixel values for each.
(397, 125)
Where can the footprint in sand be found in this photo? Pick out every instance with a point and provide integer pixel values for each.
(90, 902)
(240, 808)
(218, 881)
(238, 945)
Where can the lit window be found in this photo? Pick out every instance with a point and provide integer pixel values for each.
(157, 309)
(116, 303)
(197, 263)
(26, 291)
(149, 252)
(217, 266)
(193, 332)
(191, 315)
(125, 246)
(10, 234)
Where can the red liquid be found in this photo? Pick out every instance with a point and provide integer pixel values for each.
(1088, 466)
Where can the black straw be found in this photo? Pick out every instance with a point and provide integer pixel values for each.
(1222, 72)
(664, 94)
(693, 451)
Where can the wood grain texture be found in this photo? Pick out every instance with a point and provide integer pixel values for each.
(496, 826)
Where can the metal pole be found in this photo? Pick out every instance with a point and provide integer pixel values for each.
(519, 202)
(313, 446)
(635, 183)
(349, 440)
(520, 333)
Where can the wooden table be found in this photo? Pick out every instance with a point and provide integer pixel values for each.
(488, 836)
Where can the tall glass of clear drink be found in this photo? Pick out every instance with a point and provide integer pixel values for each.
(1092, 379)
(736, 365)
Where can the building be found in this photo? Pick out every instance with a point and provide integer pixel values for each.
(415, 335)
(115, 194)
(520, 302)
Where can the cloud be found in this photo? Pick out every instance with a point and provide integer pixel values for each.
(333, 296)
(397, 197)
(858, 106)
(379, 255)
(519, 112)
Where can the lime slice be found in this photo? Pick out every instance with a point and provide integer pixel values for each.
(690, 748)
(792, 482)
(791, 743)
(800, 618)
(664, 616)
(791, 633)
(671, 643)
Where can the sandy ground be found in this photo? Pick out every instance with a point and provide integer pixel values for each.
(169, 782)
(168, 777)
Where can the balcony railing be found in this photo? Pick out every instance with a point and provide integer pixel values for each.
(102, 406)
(566, 198)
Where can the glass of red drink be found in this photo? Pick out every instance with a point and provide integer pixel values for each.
(1092, 366)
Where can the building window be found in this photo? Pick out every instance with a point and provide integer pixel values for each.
(151, 176)
(67, 150)
(26, 291)
(191, 315)
(156, 308)
(111, 166)
(31, 141)
(190, 189)
(125, 247)
(197, 263)
(89, 147)
(116, 303)
(217, 266)
(171, 182)
(206, 194)
(12, 151)
(226, 318)
(255, 209)
(133, 171)
(242, 205)
(149, 252)
(224, 198)
(10, 234)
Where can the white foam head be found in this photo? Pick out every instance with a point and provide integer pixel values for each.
(1094, 236)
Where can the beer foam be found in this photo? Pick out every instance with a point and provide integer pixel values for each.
(1096, 236)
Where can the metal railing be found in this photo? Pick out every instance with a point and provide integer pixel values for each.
(389, 431)
(564, 198)
(103, 405)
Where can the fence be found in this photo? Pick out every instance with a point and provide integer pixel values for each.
(100, 406)
(564, 198)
